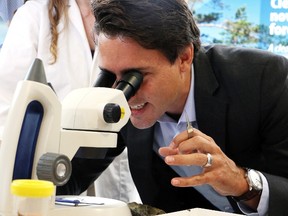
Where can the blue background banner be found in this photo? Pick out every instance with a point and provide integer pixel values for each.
(259, 24)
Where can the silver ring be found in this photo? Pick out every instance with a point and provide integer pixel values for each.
(190, 131)
(209, 161)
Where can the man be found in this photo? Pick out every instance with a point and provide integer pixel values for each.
(236, 98)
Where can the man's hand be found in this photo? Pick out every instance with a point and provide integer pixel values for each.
(223, 175)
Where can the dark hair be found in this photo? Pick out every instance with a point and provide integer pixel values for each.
(164, 25)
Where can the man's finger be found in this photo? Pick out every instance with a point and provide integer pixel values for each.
(165, 151)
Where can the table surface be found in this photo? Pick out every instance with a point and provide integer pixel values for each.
(199, 212)
(93, 206)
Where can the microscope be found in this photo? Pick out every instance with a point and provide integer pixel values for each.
(42, 134)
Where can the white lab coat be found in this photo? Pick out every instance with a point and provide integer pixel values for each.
(28, 37)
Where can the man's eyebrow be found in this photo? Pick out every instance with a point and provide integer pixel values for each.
(125, 70)
(103, 69)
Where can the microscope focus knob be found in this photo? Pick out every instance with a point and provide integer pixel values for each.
(112, 113)
(54, 167)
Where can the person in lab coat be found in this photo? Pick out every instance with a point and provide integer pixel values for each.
(63, 39)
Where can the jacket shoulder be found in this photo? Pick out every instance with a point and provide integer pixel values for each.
(239, 55)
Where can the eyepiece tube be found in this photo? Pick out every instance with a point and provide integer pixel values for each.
(130, 83)
(105, 79)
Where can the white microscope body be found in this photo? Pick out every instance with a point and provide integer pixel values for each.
(38, 124)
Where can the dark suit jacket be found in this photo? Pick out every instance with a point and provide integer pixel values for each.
(241, 99)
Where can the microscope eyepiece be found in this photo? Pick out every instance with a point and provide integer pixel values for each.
(105, 79)
(130, 83)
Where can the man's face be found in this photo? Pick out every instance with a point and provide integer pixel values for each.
(164, 88)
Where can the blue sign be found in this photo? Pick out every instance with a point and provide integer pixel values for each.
(274, 15)
(259, 24)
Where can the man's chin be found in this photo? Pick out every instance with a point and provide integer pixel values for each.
(141, 124)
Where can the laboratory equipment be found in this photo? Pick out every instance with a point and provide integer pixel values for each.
(32, 197)
(42, 135)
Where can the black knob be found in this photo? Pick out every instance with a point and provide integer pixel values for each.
(112, 113)
(54, 167)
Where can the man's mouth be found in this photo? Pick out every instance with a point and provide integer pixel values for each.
(137, 106)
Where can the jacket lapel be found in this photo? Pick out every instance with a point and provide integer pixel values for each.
(210, 102)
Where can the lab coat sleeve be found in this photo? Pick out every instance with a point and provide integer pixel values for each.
(18, 52)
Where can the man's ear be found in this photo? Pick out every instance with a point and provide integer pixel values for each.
(186, 57)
